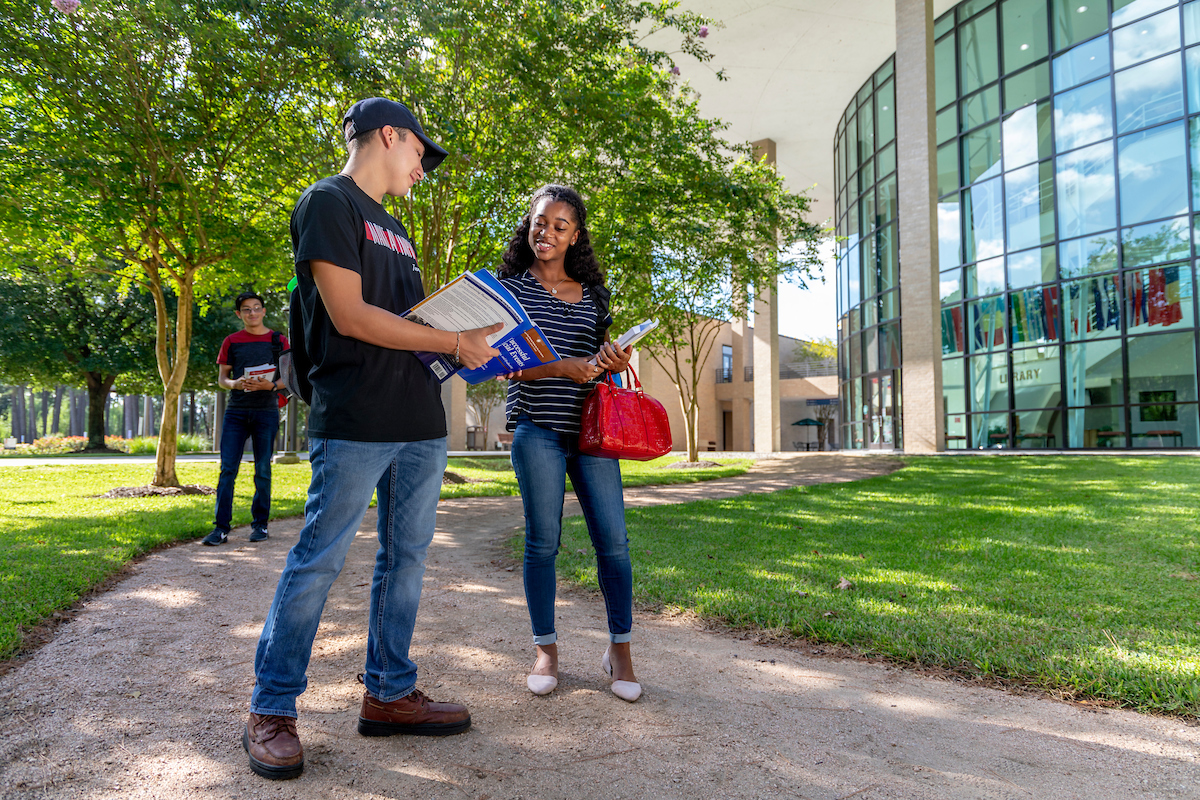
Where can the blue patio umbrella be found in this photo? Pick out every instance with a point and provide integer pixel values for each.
(808, 422)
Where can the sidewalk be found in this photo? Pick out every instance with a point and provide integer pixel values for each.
(144, 694)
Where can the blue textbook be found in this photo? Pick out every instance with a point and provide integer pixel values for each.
(476, 300)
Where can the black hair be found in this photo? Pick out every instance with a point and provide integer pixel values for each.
(360, 138)
(580, 262)
(244, 296)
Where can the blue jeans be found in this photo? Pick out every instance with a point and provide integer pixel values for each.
(408, 478)
(260, 425)
(543, 459)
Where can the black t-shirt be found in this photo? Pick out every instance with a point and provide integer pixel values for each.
(242, 351)
(361, 391)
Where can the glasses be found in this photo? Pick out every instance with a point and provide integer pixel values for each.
(252, 309)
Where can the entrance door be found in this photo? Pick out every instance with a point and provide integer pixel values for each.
(881, 411)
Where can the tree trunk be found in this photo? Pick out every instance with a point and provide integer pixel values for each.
(18, 413)
(58, 396)
(31, 416)
(45, 412)
(98, 385)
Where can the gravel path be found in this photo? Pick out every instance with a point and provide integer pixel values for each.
(144, 694)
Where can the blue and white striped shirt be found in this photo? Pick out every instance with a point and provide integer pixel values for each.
(573, 330)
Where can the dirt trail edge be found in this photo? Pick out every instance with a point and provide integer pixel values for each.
(144, 694)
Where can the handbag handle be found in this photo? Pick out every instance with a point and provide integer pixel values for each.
(636, 386)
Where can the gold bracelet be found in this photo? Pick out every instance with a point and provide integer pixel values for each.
(457, 342)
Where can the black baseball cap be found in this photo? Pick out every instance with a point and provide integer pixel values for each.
(375, 112)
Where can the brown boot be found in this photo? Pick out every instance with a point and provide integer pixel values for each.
(414, 714)
(274, 747)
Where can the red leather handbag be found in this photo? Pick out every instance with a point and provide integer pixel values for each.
(621, 422)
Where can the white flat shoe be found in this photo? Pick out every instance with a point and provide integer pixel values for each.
(629, 691)
(541, 684)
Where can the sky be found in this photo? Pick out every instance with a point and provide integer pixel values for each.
(810, 313)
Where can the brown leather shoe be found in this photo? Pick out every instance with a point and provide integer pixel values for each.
(273, 746)
(414, 714)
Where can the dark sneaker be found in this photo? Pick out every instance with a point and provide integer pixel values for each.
(273, 746)
(217, 537)
(258, 534)
(415, 715)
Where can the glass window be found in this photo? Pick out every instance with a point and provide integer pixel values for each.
(855, 347)
(1075, 22)
(970, 7)
(983, 220)
(866, 132)
(1146, 39)
(871, 350)
(956, 431)
(1158, 298)
(943, 24)
(852, 277)
(1152, 171)
(885, 71)
(977, 52)
(889, 346)
(1094, 374)
(947, 124)
(981, 107)
(1149, 94)
(885, 253)
(1155, 243)
(1029, 196)
(949, 233)
(1193, 76)
(947, 166)
(866, 209)
(1191, 22)
(1089, 255)
(1027, 136)
(852, 142)
(1083, 115)
(870, 266)
(1096, 427)
(889, 201)
(1085, 186)
(954, 339)
(866, 176)
(885, 112)
(984, 277)
(889, 305)
(1025, 87)
(1033, 318)
(1128, 10)
(945, 88)
(981, 153)
(1026, 37)
(886, 160)
(1036, 381)
(1165, 426)
(1081, 64)
(869, 311)
(950, 285)
(1040, 429)
(989, 430)
(1032, 267)
(985, 321)
(954, 395)
(989, 381)
(1161, 364)
(1091, 308)
(864, 92)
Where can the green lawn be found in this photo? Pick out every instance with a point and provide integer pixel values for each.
(57, 539)
(1078, 575)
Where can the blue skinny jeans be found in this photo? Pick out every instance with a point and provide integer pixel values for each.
(260, 425)
(543, 459)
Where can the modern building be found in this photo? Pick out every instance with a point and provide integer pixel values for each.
(1011, 183)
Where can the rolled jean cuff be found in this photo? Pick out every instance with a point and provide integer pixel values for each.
(546, 638)
(620, 638)
(273, 712)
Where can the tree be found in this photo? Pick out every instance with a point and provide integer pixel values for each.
(171, 137)
(82, 329)
(821, 349)
(485, 398)
(825, 415)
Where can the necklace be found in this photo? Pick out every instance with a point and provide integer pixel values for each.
(553, 289)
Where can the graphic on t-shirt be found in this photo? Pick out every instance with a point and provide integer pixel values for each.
(382, 236)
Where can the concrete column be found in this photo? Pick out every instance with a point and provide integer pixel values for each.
(924, 429)
(454, 402)
(766, 370)
(743, 337)
(218, 418)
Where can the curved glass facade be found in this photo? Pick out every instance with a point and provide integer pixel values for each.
(1068, 174)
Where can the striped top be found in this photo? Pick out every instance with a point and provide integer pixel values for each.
(573, 330)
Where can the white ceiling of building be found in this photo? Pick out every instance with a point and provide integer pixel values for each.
(792, 67)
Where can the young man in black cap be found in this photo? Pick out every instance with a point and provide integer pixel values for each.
(252, 413)
(376, 425)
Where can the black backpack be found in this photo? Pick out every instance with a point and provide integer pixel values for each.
(294, 363)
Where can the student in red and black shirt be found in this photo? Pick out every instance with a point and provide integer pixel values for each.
(253, 413)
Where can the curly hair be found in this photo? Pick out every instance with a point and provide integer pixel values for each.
(580, 261)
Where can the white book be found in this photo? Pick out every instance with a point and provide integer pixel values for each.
(633, 335)
(261, 371)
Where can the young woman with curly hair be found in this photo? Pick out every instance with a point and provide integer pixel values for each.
(552, 270)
